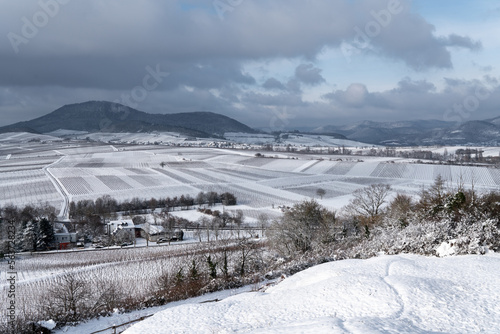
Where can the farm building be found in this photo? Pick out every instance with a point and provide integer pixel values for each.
(123, 230)
(155, 232)
(63, 239)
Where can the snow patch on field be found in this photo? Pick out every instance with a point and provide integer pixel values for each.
(388, 294)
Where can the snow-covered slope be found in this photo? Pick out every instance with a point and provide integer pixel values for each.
(296, 139)
(388, 294)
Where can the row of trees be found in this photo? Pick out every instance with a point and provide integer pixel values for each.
(89, 216)
(467, 155)
(106, 205)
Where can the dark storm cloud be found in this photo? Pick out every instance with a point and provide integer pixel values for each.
(309, 74)
(409, 86)
(182, 99)
(94, 49)
(463, 42)
(394, 31)
(458, 100)
(122, 37)
(487, 68)
(294, 86)
(304, 75)
(410, 38)
(273, 83)
(207, 74)
(123, 73)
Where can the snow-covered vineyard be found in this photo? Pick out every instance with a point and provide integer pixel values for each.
(182, 282)
(34, 172)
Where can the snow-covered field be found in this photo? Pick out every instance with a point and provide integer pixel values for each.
(36, 169)
(387, 294)
(296, 139)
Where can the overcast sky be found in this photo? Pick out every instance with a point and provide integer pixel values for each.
(269, 63)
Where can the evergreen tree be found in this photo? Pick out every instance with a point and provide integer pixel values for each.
(46, 234)
(18, 241)
(212, 267)
(179, 277)
(193, 271)
(30, 236)
(225, 267)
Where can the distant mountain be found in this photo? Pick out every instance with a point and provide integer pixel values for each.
(495, 120)
(102, 116)
(420, 132)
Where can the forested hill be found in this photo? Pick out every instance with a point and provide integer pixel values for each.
(103, 116)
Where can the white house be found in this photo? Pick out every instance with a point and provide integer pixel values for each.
(121, 229)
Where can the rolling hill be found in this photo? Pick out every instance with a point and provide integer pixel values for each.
(102, 116)
(420, 132)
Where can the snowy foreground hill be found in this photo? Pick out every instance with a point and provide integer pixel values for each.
(387, 294)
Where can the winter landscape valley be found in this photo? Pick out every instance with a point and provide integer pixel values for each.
(249, 166)
(388, 293)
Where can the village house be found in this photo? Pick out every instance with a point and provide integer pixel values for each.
(121, 230)
(63, 239)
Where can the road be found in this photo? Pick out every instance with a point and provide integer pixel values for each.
(64, 213)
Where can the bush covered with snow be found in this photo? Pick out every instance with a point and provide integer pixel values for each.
(468, 223)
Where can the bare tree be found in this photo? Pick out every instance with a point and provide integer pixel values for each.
(438, 189)
(401, 208)
(216, 223)
(303, 227)
(368, 202)
(168, 224)
(320, 192)
(212, 198)
(248, 251)
(147, 230)
(401, 205)
(197, 233)
(263, 222)
(201, 198)
(204, 222)
(109, 297)
(69, 301)
(238, 220)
